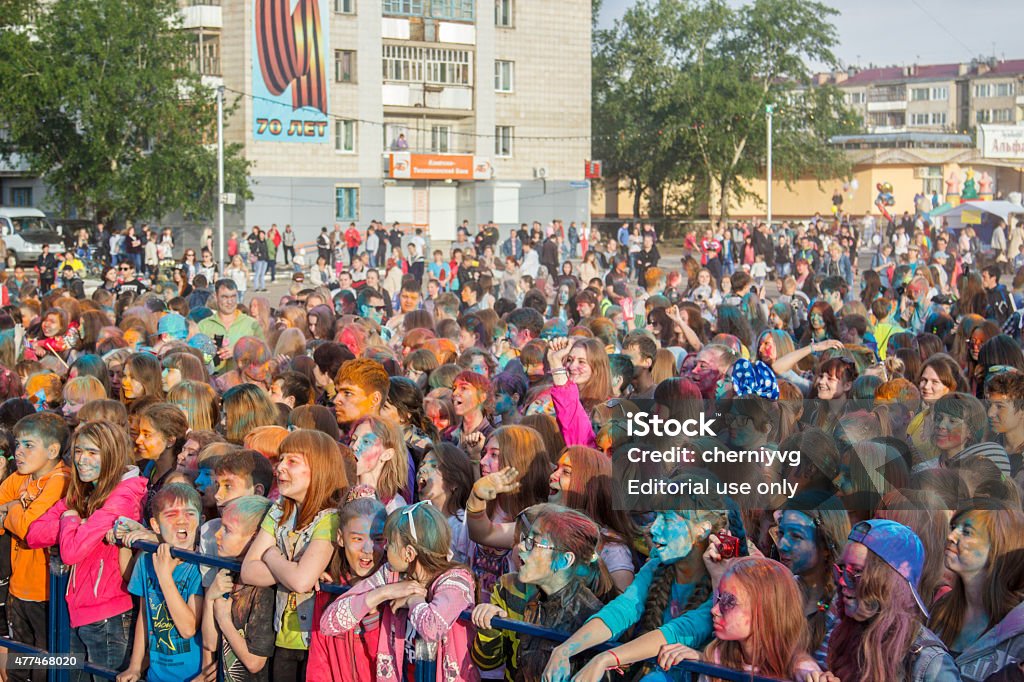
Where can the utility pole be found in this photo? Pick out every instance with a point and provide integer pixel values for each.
(220, 176)
(769, 109)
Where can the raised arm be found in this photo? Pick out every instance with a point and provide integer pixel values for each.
(790, 360)
(482, 530)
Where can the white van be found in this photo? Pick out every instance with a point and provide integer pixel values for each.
(25, 230)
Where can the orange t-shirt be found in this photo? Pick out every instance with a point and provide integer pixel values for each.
(29, 570)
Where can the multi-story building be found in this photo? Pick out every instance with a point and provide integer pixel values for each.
(934, 97)
(422, 112)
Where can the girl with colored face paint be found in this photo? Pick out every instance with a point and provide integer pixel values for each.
(984, 543)
(382, 459)
(105, 489)
(758, 624)
(811, 532)
(445, 477)
(361, 543)
(674, 584)
(558, 550)
(881, 625)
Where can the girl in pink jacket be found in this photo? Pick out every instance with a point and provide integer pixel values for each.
(105, 486)
(420, 594)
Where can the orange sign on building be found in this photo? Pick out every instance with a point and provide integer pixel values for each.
(405, 166)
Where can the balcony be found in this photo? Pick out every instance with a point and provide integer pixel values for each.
(202, 14)
(444, 98)
(894, 105)
(887, 93)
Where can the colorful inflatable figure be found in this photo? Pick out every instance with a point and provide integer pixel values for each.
(884, 199)
(970, 190)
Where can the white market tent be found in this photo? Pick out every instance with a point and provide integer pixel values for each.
(974, 212)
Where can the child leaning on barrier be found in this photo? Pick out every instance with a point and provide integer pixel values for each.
(420, 594)
(241, 615)
(349, 656)
(105, 486)
(38, 484)
(171, 604)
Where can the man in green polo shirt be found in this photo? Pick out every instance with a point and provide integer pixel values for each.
(228, 324)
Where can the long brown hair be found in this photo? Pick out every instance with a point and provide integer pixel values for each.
(116, 455)
(873, 649)
(778, 629)
(590, 491)
(599, 388)
(1004, 527)
(522, 447)
(394, 476)
(327, 482)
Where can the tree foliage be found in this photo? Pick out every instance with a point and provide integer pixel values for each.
(99, 100)
(680, 90)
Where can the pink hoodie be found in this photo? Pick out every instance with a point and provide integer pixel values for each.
(96, 590)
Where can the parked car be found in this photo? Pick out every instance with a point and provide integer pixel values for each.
(25, 230)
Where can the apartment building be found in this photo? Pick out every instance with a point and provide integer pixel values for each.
(934, 97)
(422, 112)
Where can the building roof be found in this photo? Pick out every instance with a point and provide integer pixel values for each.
(929, 72)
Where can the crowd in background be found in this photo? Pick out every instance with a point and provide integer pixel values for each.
(444, 431)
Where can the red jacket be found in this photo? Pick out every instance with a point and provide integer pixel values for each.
(353, 238)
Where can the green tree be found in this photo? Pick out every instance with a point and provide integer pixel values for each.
(687, 82)
(100, 102)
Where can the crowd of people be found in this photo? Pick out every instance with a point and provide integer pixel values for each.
(451, 436)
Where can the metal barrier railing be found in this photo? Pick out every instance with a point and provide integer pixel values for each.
(60, 625)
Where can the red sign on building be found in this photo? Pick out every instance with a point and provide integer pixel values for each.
(592, 170)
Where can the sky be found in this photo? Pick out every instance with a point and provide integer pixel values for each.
(903, 32)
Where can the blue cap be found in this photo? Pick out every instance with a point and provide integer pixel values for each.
(173, 324)
(896, 545)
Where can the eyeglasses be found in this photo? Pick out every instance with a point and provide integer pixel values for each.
(725, 602)
(529, 542)
(843, 572)
(124, 269)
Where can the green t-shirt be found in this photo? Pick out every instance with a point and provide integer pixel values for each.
(294, 610)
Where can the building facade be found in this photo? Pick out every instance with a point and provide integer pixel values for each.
(421, 112)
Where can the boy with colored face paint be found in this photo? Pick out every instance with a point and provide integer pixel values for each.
(361, 387)
(40, 482)
(171, 595)
(561, 583)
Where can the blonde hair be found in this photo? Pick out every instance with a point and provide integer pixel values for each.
(84, 388)
(199, 402)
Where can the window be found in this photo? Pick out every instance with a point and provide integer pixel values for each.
(919, 119)
(21, 196)
(1002, 115)
(345, 66)
(440, 139)
(984, 90)
(439, 66)
(503, 141)
(855, 98)
(919, 94)
(346, 203)
(457, 10)
(939, 118)
(345, 136)
(932, 179)
(502, 76)
(345, 6)
(983, 116)
(940, 93)
(503, 13)
(1004, 90)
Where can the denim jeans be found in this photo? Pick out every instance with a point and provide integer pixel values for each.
(259, 275)
(104, 643)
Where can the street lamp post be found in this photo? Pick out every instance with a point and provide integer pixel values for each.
(220, 176)
(769, 109)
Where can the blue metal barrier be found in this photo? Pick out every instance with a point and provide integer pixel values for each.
(60, 626)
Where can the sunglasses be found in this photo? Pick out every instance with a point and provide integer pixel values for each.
(849, 578)
(125, 269)
(725, 602)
